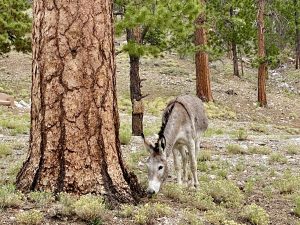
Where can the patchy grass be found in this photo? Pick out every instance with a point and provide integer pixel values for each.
(216, 217)
(259, 128)
(210, 132)
(215, 111)
(223, 192)
(125, 133)
(147, 213)
(65, 205)
(235, 149)
(292, 149)
(90, 208)
(14, 124)
(262, 150)
(156, 106)
(204, 155)
(256, 215)
(5, 149)
(41, 198)
(126, 211)
(241, 134)
(190, 217)
(9, 197)
(288, 184)
(31, 217)
(277, 157)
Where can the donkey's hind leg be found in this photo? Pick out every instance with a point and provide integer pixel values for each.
(193, 163)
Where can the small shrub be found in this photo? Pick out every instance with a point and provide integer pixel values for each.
(242, 135)
(259, 128)
(215, 111)
(201, 201)
(5, 149)
(263, 150)
(249, 186)
(224, 192)
(212, 132)
(277, 157)
(215, 217)
(9, 197)
(190, 217)
(174, 191)
(125, 134)
(202, 166)
(288, 184)
(66, 204)
(240, 166)
(31, 217)
(147, 213)
(235, 149)
(204, 155)
(256, 215)
(126, 211)
(41, 198)
(293, 149)
(89, 208)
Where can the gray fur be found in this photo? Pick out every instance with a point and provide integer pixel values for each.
(183, 122)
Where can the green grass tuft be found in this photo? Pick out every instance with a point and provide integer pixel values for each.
(256, 215)
(31, 217)
(90, 208)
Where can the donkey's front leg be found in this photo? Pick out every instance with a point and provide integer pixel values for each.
(193, 163)
(184, 163)
(177, 165)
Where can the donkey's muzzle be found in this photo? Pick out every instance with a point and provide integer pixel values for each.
(150, 192)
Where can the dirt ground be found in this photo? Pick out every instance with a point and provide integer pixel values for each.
(276, 127)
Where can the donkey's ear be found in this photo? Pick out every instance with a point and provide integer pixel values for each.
(162, 143)
(147, 144)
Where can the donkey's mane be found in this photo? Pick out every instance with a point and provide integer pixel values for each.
(167, 114)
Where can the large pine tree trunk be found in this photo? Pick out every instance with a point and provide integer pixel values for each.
(296, 8)
(234, 49)
(74, 140)
(134, 35)
(203, 87)
(262, 99)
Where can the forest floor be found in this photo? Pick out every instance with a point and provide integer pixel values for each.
(248, 166)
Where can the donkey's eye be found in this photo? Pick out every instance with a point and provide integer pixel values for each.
(160, 167)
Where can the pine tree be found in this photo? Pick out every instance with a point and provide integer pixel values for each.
(15, 26)
(153, 26)
(74, 137)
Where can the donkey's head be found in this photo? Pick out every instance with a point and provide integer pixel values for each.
(156, 164)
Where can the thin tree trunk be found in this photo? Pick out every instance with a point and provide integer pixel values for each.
(262, 99)
(134, 35)
(296, 8)
(242, 63)
(203, 86)
(74, 137)
(135, 95)
(234, 49)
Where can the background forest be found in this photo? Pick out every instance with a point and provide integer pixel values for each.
(241, 57)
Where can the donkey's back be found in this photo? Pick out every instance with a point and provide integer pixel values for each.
(186, 114)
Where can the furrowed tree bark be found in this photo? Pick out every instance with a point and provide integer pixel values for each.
(74, 137)
(203, 86)
(134, 35)
(262, 98)
(297, 29)
(234, 49)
